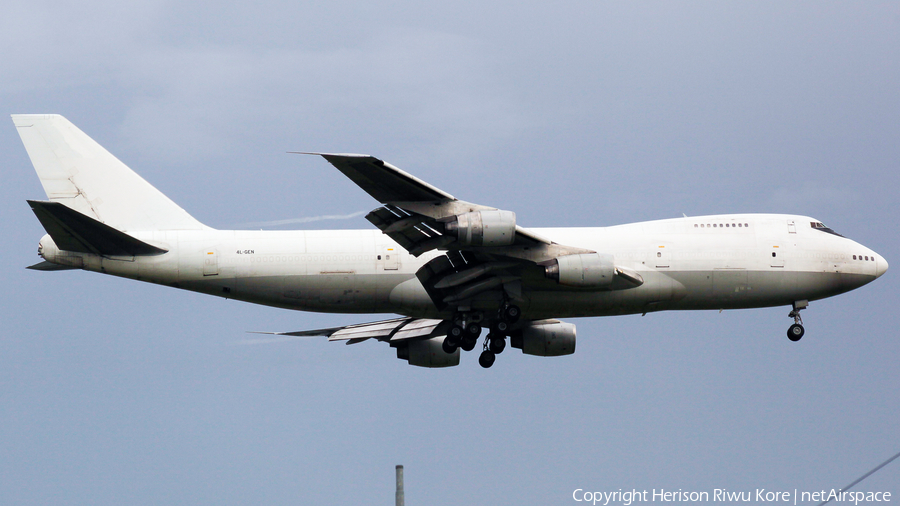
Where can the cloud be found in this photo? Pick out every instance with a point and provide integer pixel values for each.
(394, 86)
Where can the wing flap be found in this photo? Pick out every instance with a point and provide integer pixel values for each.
(395, 329)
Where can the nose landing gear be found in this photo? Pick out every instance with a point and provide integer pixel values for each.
(796, 331)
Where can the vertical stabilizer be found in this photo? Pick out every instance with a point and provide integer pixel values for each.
(80, 174)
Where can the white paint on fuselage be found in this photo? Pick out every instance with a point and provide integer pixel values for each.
(707, 262)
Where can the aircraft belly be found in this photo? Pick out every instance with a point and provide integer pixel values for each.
(337, 293)
(659, 291)
(690, 290)
(738, 288)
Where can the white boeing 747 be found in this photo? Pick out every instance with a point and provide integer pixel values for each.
(450, 268)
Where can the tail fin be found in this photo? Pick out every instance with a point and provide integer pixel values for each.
(78, 173)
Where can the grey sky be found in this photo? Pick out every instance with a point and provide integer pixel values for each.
(585, 113)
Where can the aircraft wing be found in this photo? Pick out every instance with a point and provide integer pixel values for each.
(417, 340)
(396, 329)
(415, 213)
(486, 250)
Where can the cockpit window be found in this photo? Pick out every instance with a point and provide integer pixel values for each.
(818, 225)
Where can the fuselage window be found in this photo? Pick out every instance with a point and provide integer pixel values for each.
(854, 257)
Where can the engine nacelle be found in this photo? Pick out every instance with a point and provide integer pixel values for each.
(545, 338)
(427, 353)
(484, 228)
(588, 270)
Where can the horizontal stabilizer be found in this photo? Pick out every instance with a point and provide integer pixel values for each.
(48, 266)
(73, 231)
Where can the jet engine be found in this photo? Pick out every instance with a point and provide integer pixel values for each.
(484, 228)
(588, 270)
(545, 338)
(427, 353)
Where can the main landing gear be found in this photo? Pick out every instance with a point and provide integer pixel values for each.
(796, 331)
(464, 335)
(494, 344)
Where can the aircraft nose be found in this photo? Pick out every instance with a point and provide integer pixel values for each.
(881, 265)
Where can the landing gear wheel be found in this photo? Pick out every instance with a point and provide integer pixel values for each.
(468, 343)
(795, 332)
(456, 334)
(448, 347)
(473, 329)
(511, 314)
(496, 344)
(486, 359)
(502, 326)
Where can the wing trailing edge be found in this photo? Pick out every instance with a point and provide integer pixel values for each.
(396, 329)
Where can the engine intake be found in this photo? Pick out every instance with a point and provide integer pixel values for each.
(545, 338)
(484, 228)
(588, 270)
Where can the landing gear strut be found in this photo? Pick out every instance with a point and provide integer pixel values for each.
(462, 335)
(466, 330)
(796, 331)
(494, 344)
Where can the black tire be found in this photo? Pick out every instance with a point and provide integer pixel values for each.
(486, 359)
(456, 334)
(448, 347)
(511, 314)
(795, 332)
(468, 343)
(497, 344)
(473, 329)
(502, 327)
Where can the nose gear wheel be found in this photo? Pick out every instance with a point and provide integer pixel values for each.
(796, 331)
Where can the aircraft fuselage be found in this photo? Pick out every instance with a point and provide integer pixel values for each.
(709, 262)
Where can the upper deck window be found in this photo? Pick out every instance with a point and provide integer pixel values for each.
(818, 225)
